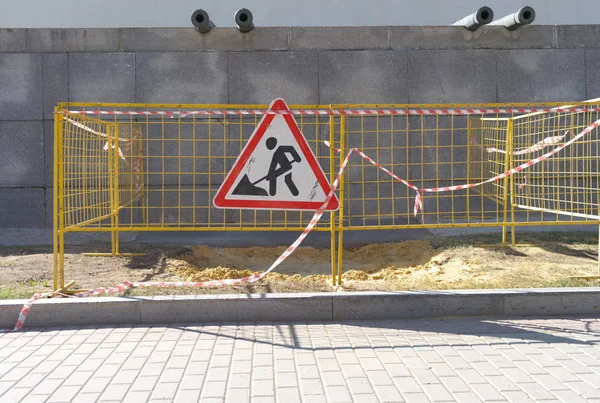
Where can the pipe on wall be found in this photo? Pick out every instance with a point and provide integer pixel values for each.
(201, 21)
(484, 15)
(524, 16)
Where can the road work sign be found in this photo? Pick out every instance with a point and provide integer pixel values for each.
(276, 170)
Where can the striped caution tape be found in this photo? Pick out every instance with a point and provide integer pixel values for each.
(540, 145)
(119, 288)
(418, 205)
(363, 112)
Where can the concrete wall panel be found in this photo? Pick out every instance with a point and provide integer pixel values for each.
(592, 78)
(56, 81)
(315, 38)
(189, 39)
(73, 40)
(13, 40)
(22, 208)
(21, 153)
(486, 37)
(363, 77)
(102, 77)
(452, 76)
(541, 75)
(20, 86)
(198, 77)
(260, 77)
(48, 133)
(578, 36)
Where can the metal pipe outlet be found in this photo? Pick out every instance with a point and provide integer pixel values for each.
(524, 16)
(243, 20)
(201, 21)
(484, 15)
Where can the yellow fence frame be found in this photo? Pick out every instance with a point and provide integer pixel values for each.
(337, 138)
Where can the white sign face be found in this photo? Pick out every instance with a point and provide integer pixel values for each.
(276, 170)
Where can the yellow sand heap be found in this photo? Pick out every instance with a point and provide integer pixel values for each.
(387, 262)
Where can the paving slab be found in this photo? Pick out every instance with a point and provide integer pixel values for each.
(398, 360)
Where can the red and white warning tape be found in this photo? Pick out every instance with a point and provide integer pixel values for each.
(419, 112)
(522, 185)
(138, 182)
(202, 284)
(418, 206)
(540, 145)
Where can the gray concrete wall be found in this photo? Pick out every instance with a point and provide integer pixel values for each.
(39, 67)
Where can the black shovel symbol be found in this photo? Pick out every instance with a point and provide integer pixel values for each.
(245, 187)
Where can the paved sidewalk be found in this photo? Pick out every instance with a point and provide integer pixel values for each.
(463, 360)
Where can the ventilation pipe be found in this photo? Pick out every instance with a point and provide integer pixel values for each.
(243, 20)
(484, 15)
(524, 16)
(201, 21)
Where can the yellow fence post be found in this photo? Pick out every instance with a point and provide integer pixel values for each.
(111, 186)
(116, 186)
(332, 175)
(507, 180)
(511, 187)
(340, 250)
(56, 210)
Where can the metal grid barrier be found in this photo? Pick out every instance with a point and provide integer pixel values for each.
(564, 187)
(147, 167)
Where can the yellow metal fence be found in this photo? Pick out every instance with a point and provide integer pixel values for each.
(147, 167)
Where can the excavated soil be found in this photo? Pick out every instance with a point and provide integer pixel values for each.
(549, 260)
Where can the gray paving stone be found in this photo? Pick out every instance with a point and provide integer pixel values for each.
(21, 83)
(102, 374)
(468, 397)
(338, 394)
(487, 392)
(570, 396)
(262, 387)
(141, 397)
(536, 391)
(584, 389)
(388, 394)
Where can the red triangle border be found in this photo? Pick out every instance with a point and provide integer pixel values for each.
(220, 200)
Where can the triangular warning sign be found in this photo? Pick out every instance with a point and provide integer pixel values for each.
(276, 170)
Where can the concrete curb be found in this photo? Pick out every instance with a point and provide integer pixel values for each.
(304, 307)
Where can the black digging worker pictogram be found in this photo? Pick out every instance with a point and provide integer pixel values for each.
(280, 165)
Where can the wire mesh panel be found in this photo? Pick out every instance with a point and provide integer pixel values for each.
(87, 170)
(428, 151)
(171, 165)
(487, 156)
(564, 186)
